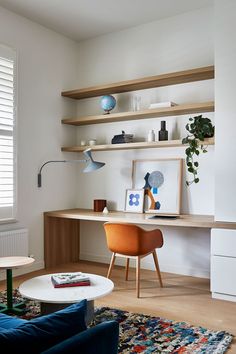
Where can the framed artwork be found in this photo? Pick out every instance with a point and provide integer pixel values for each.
(134, 200)
(161, 181)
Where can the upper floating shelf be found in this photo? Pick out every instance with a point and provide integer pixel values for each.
(148, 113)
(179, 77)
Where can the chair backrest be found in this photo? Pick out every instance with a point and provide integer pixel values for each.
(129, 239)
(122, 238)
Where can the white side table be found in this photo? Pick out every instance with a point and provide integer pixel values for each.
(10, 263)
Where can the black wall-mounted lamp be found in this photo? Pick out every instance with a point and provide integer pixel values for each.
(91, 166)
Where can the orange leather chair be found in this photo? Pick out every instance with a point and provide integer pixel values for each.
(132, 241)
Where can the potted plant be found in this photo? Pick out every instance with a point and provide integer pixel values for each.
(199, 128)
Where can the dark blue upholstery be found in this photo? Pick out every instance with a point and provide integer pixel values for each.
(7, 322)
(63, 331)
(101, 339)
(43, 332)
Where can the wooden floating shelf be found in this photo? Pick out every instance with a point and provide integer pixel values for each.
(180, 77)
(148, 113)
(129, 146)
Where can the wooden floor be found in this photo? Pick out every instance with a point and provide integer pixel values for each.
(182, 298)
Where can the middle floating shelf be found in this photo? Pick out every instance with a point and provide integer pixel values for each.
(181, 109)
(129, 146)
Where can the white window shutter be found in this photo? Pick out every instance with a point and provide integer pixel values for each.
(7, 134)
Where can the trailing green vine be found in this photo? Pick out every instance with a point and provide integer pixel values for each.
(199, 129)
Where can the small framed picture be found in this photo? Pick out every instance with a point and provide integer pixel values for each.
(134, 200)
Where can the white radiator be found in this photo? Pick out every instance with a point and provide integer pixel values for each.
(14, 243)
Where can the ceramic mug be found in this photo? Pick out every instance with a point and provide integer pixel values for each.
(99, 204)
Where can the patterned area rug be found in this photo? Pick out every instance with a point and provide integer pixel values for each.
(32, 307)
(146, 334)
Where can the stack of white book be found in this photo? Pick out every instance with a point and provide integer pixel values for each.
(62, 280)
(162, 104)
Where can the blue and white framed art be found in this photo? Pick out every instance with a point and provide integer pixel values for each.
(161, 181)
(134, 200)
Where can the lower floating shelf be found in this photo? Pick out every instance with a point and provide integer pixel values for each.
(129, 146)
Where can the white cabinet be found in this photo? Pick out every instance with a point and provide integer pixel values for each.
(223, 264)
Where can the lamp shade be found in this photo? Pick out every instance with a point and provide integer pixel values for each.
(92, 165)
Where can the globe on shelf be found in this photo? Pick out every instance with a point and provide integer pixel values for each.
(107, 103)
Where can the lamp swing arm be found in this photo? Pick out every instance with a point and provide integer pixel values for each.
(92, 165)
(52, 161)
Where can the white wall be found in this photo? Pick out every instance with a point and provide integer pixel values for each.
(173, 44)
(47, 63)
(225, 59)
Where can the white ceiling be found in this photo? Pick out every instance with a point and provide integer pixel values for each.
(83, 19)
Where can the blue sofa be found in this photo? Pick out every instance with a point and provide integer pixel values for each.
(60, 332)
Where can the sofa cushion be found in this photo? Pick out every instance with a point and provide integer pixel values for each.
(7, 322)
(41, 333)
(103, 339)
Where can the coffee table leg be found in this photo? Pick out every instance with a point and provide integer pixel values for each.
(47, 308)
(90, 312)
(9, 289)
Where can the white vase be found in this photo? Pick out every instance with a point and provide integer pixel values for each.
(151, 136)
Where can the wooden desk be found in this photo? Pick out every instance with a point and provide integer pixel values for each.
(62, 229)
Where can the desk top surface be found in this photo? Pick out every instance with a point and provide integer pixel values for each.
(187, 220)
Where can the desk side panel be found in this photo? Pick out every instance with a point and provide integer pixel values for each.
(61, 241)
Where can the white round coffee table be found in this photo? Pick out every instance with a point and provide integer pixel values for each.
(52, 299)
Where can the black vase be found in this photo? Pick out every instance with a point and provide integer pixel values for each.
(163, 133)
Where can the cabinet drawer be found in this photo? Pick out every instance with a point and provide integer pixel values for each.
(223, 271)
(223, 242)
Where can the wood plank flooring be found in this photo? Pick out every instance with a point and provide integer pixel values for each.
(182, 298)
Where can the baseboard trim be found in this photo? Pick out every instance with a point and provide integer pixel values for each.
(20, 271)
(224, 297)
(167, 268)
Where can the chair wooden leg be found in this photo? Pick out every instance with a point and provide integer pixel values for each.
(113, 257)
(127, 269)
(138, 275)
(157, 267)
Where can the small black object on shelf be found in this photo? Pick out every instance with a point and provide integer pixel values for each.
(122, 138)
(163, 133)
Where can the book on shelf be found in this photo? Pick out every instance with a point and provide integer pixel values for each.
(70, 279)
(162, 104)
